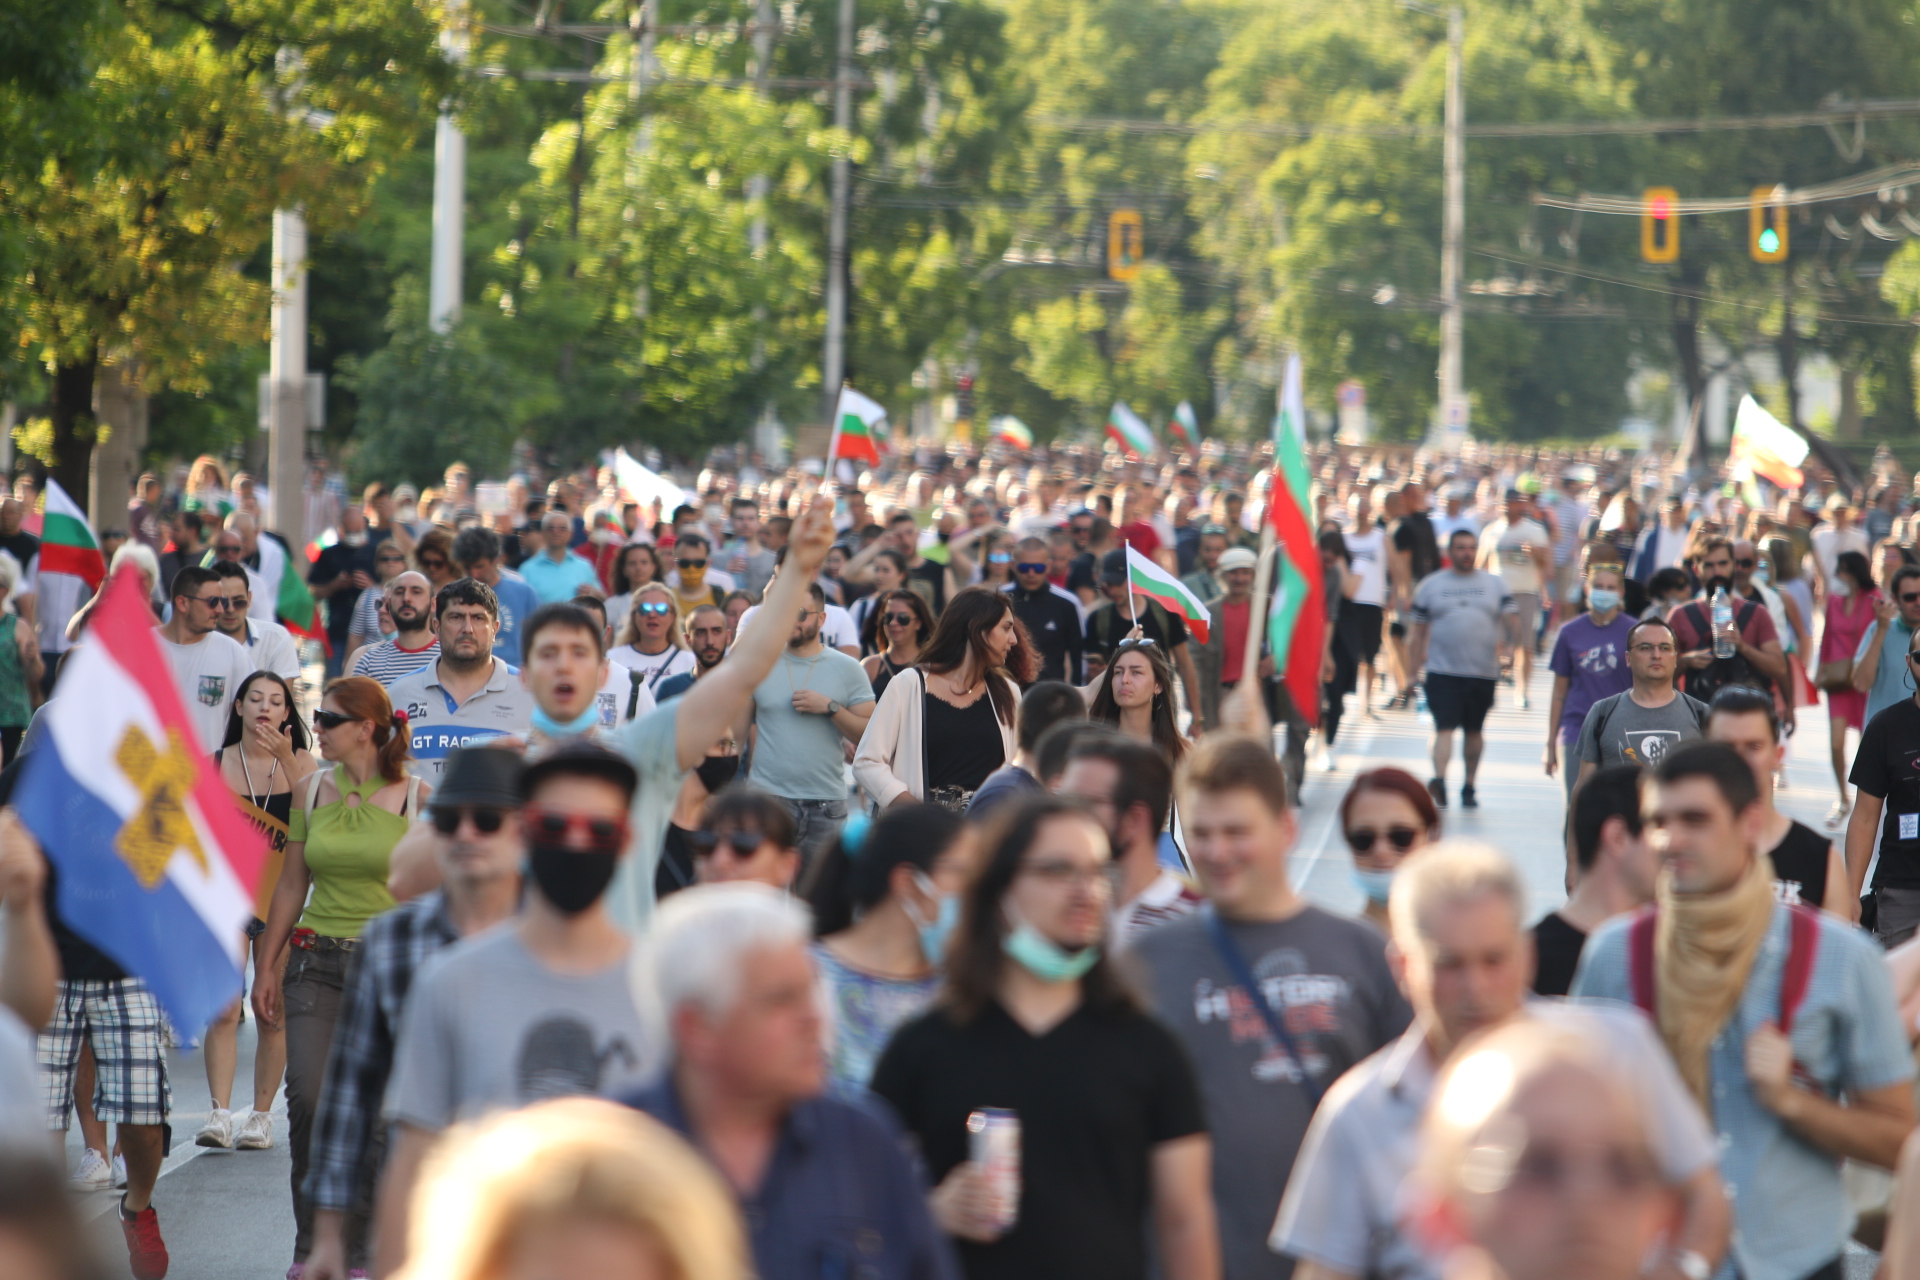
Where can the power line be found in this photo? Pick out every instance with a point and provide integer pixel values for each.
(1861, 184)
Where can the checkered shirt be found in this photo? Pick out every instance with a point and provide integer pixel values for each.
(391, 951)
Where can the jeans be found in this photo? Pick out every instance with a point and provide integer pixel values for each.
(311, 995)
(816, 823)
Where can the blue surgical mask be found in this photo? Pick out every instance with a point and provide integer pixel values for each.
(934, 933)
(1600, 600)
(584, 723)
(1376, 885)
(1044, 958)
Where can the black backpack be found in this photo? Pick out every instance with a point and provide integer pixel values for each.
(1721, 672)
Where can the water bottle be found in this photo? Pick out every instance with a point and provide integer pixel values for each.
(1722, 624)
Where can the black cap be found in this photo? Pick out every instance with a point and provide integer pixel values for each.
(483, 776)
(577, 757)
(1113, 567)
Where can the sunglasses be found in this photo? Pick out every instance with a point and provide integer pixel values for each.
(1744, 564)
(598, 835)
(743, 843)
(1908, 597)
(656, 607)
(432, 562)
(901, 620)
(331, 719)
(999, 557)
(485, 821)
(1401, 838)
(221, 602)
(1024, 567)
(226, 551)
(691, 564)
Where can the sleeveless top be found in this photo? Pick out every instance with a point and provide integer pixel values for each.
(16, 708)
(1800, 867)
(348, 848)
(886, 673)
(273, 817)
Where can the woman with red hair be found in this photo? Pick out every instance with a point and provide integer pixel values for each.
(1386, 815)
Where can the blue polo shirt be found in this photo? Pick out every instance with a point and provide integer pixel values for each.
(554, 582)
(841, 1197)
(1790, 1210)
(1891, 682)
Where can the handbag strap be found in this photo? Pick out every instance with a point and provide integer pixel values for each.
(1241, 973)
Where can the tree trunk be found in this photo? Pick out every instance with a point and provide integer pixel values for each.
(1686, 350)
(120, 408)
(70, 408)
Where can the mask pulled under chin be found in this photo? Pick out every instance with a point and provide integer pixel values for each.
(1044, 958)
(571, 879)
(585, 722)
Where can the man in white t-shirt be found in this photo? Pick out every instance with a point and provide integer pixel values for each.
(1838, 534)
(208, 668)
(1367, 544)
(1518, 550)
(838, 631)
(269, 645)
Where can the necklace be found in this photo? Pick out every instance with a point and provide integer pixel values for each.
(260, 801)
(787, 665)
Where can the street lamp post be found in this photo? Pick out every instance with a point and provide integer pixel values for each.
(1451, 420)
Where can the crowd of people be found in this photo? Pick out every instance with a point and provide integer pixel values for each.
(867, 879)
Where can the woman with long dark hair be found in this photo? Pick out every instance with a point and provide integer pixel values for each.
(885, 899)
(637, 565)
(945, 724)
(262, 758)
(1035, 1019)
(897, 627)
(1137, 697)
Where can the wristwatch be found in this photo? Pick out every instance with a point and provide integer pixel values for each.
(1692, 1265)
(834, 708)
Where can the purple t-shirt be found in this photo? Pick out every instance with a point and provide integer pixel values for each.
(1594, 660)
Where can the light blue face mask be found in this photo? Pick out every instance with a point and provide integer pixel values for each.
(1376, 885)
(1046, 959)
(584, 723)
(934, 933)
(1602, 600)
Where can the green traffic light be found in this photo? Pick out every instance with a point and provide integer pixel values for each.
(1769, 241)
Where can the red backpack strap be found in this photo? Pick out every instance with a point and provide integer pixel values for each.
(1803, 948)
(1640, 960)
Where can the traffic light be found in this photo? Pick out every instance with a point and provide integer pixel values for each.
(1767, 225)
(1660, 225)
(1126, 244)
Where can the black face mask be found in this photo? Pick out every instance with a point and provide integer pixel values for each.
(571, 879)
(717, 771)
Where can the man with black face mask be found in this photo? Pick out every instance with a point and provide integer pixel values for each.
(539, 1008)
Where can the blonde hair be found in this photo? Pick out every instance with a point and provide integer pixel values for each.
(487, 1183)
(630, 629)
(1446, 872)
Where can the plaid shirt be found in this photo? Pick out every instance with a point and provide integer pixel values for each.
(391, 951)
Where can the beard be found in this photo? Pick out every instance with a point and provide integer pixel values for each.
(407, 619)
(1715, 583)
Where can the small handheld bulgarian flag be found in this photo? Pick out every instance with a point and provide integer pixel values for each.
(859, 428)
(67, 544)
(1126, 429)
(1185, 426)
(1012, 431)
(1156, 584)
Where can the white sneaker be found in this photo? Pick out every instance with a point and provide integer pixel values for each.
(1520, 700)
(217, 1131)
(255, 1132)
(93, 1173)
(1327, 762)
(119, 1171)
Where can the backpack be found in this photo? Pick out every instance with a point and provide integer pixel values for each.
(1699, 709)
(1721, 672)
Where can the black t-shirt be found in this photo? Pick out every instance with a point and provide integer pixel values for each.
(1080, 573)
(1414, 534)
(330, 564)
(22, 545)
(963, 743)
(1095, 1095)
(1108, 626)
(933, 584)
(1800, 866)
(1887, 767)
(1556, 948)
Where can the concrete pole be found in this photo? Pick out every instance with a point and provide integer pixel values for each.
(449, 192)
(1453, 226)
(833, 365)
(287, 377)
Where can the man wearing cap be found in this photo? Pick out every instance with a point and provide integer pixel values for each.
(476, 811)
(1518, 550)
(538, 1008)
(1050, 614)
(1110, 623)
(1221, 660)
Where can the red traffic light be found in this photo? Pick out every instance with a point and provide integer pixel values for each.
(1660, 206)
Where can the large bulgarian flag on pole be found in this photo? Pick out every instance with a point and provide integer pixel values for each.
(67, 544)
(1125, 428)
(1156, 584)
(859, 429)
(156, 866)
(1296, 627)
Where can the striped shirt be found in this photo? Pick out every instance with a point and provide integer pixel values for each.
(387, 661)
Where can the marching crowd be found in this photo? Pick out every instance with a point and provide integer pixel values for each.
(871, 880)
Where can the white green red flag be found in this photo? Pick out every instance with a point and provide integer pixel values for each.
(1010, 430)
(67, 544)
(859, 428)
(1185, 426)
(1126, 429)
(1156, 584)
(1763, 446)
(1296, 626)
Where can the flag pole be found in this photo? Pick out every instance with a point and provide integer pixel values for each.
(827, 473)
(1257, 615)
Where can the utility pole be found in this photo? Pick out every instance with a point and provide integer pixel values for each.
(833, 366)
(1453, 401)
(287, 378)
(646, 27)
(449, 190)
(766, 437)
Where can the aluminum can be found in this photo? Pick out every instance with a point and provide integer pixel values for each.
(994, 1147)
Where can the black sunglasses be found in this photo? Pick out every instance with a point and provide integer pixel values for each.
(744, 843)
(1401, 838)
(485, 821)
(691, 564)
(901, 619)
(221, 602)
(331, 719)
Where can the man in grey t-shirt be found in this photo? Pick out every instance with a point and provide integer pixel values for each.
(539, 1007)
(814, 697)
(1640, 726)
(1464, 620)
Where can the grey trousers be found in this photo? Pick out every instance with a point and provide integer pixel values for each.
(311, 994)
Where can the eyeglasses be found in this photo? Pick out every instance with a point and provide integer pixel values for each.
(807, 613)
(1362, 839)
(597, 835)
(220, 550)
(1744, 564)
(432, 562)
(485, 821)
(220, 602)
(1024, 567)
(1099, 880)
(658, 608)
(691, 564)
(743, 843)
(901, 620)
(391, 559)
(331, 719)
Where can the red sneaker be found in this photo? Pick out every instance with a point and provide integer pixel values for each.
(145, 1249)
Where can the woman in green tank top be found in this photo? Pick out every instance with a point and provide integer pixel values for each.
(340, 837)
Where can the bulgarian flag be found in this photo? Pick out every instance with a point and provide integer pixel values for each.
(1762, 446)
(293, 603)
(1126, 429)
(859, 428)
(1011, 430)
(1156, 584)
(1296, 627)
(67, 544)
(1186, 426)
